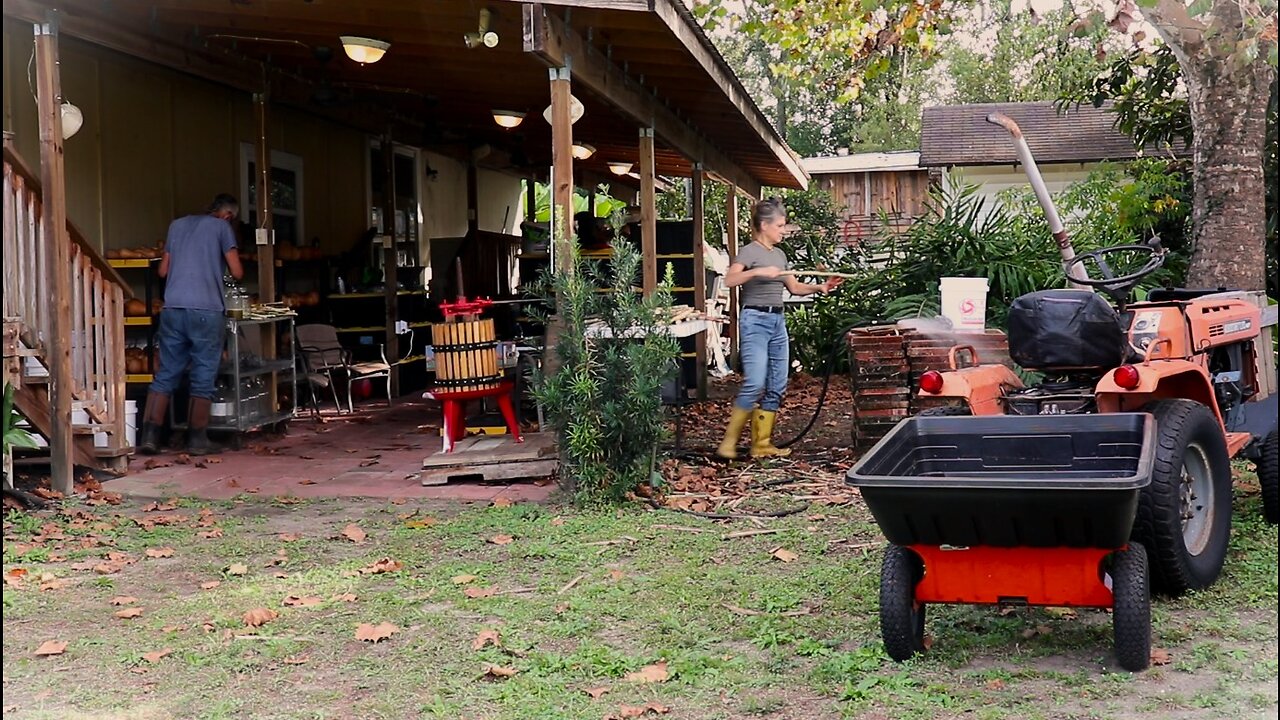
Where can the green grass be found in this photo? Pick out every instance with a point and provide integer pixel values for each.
(808, 645)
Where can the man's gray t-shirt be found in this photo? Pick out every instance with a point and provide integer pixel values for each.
(197, 246)
(761, 291)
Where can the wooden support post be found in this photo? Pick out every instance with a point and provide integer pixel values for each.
(58, 243)
(731, 246)
(531, 199)
(561, 170)
(265, 234)
(697, 211)
(390, 255)
(648, 212)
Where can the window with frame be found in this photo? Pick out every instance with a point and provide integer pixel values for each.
(286, 193)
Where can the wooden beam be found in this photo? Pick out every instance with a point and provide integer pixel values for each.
(531, 199)
(556, 44)
(390, 258)
(648, 212)
(731, 246)
(698, 213)
(54, 220)
(562, 170)
(680, 21)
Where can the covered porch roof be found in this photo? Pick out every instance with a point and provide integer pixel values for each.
(634, 64)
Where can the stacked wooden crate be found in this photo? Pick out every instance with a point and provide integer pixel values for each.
(886, 363)
(881, 395)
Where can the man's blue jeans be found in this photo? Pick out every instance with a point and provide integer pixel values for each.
(190, 340)
(765, 352)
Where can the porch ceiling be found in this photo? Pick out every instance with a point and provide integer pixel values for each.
(436, 93)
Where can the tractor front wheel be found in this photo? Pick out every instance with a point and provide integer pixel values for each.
(1184, 514)
(901, 616)
(1268, 467)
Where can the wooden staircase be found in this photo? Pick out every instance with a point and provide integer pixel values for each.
(97, 296)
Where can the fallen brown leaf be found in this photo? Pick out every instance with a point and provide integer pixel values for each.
(596, 692)
(654, 673)
(616, 574)
(557, 521)
(237, 569)
(106, 568)
(385, 565)
(346, 597)
(307, 481)
(211, 584)
(484, 638)
(502, 502)
(296, 660)
(1160, 656)
(375, 633)
(158, 507)
(209, 534)
(627, 712)
(785, 555)
(474, 592)
(123, 600)
(153, 657)
(996, 684)
(280, 575)
(419, 524)
(302, 601)
(127, 613)
(289, 537)
(162, 552)
(499, 671)
(399, 501)
(55, 584)
(51, 647)
(462, 579)
(171, 628)
(354, 534)
(501, 539)
(258, 617)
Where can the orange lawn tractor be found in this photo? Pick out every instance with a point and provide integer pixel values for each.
(1106, 478)
(1194, 359)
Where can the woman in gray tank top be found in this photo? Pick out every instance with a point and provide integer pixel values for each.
(763, 346)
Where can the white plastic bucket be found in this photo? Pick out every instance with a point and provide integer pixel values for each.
(131, 422)
(964, 303)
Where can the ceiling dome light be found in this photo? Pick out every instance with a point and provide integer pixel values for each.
(364, 50)
(508, 118)
(72, 120)
(619, 168)
(583, 151)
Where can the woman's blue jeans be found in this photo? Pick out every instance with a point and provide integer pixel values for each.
(765, 353)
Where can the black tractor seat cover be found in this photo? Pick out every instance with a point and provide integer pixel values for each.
(1179, 294)
(1065, 329)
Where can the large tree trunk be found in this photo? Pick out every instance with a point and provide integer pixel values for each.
(1228, 95)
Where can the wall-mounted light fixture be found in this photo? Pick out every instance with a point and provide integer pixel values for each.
(582, 151)
(483, 36)
(508, 118)
(364, 50)
(619, 168)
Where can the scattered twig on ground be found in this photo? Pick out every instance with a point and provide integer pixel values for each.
(748, 533)
(570, 585)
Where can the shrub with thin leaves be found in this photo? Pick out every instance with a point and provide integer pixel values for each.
(605, 403)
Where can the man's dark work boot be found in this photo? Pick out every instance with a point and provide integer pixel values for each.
(153, 417)
(198, 427)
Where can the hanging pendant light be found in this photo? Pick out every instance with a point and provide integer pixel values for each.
(72, 119)
(508, 118)
(619, 168)
(582, 151)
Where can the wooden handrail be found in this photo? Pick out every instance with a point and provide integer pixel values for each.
(32, 181)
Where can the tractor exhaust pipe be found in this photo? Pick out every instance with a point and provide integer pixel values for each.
(1072, 272)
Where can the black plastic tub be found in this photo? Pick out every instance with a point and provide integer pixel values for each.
(1009, 481)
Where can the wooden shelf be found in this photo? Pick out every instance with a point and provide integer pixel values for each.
(138, 378)
(346, 296)
(132, 262)
(534, 256)
(371, 328)
(140, 320)
(687, 256)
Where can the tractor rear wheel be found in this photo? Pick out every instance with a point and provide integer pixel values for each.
(1268, 467)
(901, 616)
(1184, 514)
(1131, 608)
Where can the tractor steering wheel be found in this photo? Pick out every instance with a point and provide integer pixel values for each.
(1110, 282)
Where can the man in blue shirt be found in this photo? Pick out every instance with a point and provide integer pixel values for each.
(192, 322)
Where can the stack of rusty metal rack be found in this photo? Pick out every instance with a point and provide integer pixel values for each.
(886, 363)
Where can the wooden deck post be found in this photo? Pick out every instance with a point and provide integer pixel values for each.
(562, 170)
(698, 213)
(648, 212)
(54, 222)
(390, 257)
(731, 246)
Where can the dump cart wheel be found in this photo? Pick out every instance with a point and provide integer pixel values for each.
(1184, 515)
(946, 411)
(1268, 469)
(1131, 614)
(901, 617)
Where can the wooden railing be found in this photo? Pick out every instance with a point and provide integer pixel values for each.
(97, 300)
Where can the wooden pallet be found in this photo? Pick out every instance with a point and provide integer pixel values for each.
(493, 459)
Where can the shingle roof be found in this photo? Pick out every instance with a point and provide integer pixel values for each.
(960, 135)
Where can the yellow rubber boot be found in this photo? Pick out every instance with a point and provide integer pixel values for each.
(762, 436)
(737, 421)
